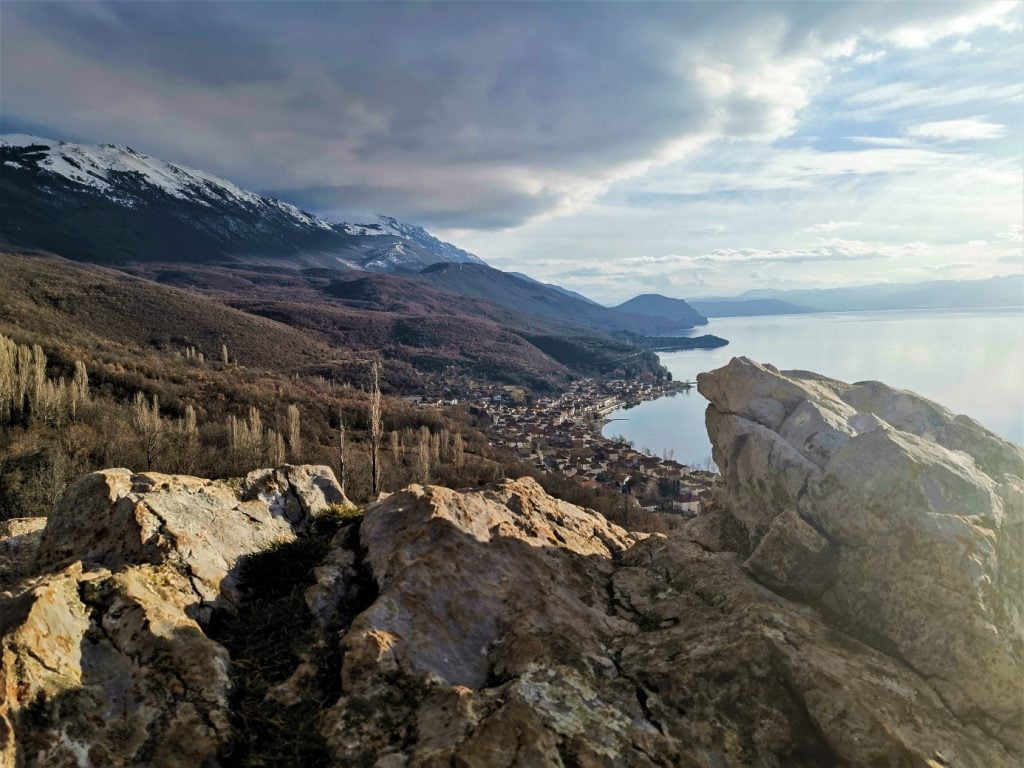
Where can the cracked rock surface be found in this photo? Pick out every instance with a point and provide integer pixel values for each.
(512, 629)
(105, 660)
(903, 521)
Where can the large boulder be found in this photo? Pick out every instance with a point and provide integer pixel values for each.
(105, 654)
(898, 517)
(512, 629)
(118, 517)
(104, 668)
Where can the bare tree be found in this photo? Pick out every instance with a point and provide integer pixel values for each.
(245, 437)
(458, 450)
(8, 378)
(294, 432)
(79, 387)
(341, 448)
(275, 448)
(149, 426)
(376, 428)
(423, 454)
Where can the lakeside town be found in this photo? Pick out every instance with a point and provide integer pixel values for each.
(563, 434)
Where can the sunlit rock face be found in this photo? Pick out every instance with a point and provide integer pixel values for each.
(512, 629)
(104, 658)
(19, 539)
(898, 518)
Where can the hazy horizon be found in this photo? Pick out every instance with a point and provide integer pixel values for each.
(614, 149)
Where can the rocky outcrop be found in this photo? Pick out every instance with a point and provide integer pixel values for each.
(502, 627)
(116, 518)
(512, 629)
(901, 520)
(105, 660)
(19, 539)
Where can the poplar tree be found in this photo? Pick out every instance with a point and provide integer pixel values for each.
(376, 428)
(294, 432)
(341, 448)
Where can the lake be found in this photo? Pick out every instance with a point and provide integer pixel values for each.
(971, 361)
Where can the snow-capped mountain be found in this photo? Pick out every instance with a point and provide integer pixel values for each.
(112, 204)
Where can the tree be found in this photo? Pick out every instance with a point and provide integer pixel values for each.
(275, 447)
(294, 433)
(79, 387)
(376, 428)
(458, 450)
(423, 453)
(245, 436)
(149, 426)
(341, 449)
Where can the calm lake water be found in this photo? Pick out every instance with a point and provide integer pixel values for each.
(970, 361)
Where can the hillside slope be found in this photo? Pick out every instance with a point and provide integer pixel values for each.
(294, 321)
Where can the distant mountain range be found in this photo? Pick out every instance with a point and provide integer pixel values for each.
(746, 307)
(1006, 291)
(110, 204)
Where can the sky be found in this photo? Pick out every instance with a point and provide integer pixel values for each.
(689, 149)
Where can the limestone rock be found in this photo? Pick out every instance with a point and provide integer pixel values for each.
(295, 492)
(900, 517)
(793, 558)
(19, 539)
(512, 629)
(102, 668)
(105, 659)
(117, 517)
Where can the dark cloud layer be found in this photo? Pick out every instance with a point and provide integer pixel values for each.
(461, 115)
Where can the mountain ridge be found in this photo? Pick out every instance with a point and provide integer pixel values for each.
(531, 297)
(657, 305)
(112, 204)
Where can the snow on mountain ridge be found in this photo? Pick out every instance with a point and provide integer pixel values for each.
(92, 165)
(204, 210)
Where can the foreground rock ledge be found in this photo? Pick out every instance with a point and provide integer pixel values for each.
(507, 628)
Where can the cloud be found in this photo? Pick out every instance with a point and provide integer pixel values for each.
(871, 57)
(463, 115)
(710, 229)
(883, 141)
(831, 226)
(829, 250)
(1013, 234)
(878, 102)
(974, 128)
